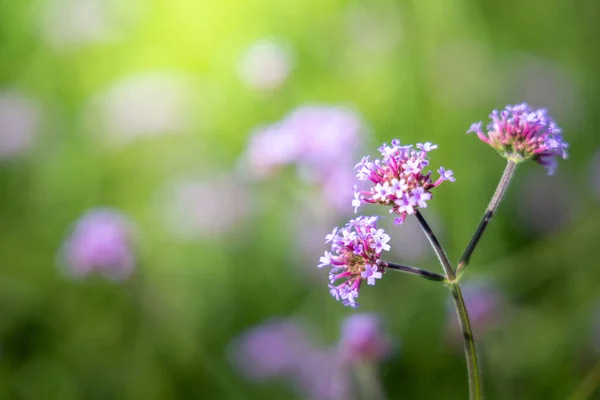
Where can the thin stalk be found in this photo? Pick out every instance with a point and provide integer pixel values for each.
(432, 276)
(368, 381)
(589, 385)
(437, 247)
(487, 216)
(475, 389)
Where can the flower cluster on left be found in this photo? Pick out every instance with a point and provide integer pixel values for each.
(354, 257)
(398, 178)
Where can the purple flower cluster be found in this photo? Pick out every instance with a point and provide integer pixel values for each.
(284, 349)
(399, 179)
(520, 133)
(20, 119)
(354, 257)
(102, 241)
(320, 141)
(363, 339)
(270, 349)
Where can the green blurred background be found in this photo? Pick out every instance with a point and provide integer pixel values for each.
(118, 101)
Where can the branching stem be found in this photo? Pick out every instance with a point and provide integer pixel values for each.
(487, 216)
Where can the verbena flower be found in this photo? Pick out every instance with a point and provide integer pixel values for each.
(102, 241)
(323, 376)
(399, 179)
(521, 133)
(271, 349)
(354, 257)
(363, 339)
(309, 138)
(20, 119)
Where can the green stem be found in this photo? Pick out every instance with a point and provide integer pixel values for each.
(588, 385)
(368, 381)
(475, 389)
(432, 276)
(487, 216)
(437, 247)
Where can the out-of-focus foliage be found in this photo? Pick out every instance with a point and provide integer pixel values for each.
(147, 107)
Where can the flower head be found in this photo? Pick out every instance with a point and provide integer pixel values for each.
(270, 349)
(399, 178)
(19, 123)
(363, 339)
(354, 257)
(102, 241)
(521, 133)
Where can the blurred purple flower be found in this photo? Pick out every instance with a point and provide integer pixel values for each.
(204, 208)
(270, 350)
(323, 376)
(266, 64)
(283, 349)
(19, 123)
(364, 339)
(145, 105)
(72, 23)
(102, 242)
(270, 149)
(320, 141)
(520, 133)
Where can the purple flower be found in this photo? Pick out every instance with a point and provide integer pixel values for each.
(102, 242)
(354, 257)
(427, 146)
(72, 24)
(266, 64)
(282, 349)
(319, 141)
(419, 197)
(270, 349)
(363, 339)
(521, 133)
(332, 236)
(325, 260)
(370, 274)
(380, 239)
(19, 123)
(398, 179)
(446, 175)
(142, 106)
(323, 376)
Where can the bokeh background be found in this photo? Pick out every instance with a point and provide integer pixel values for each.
(163, 133)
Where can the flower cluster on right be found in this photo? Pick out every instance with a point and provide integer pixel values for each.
(400, 180)
(521, 133)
